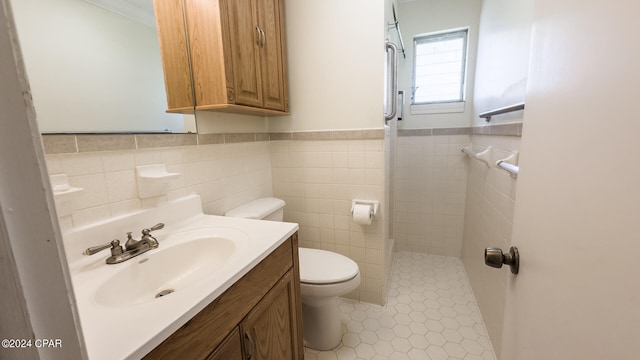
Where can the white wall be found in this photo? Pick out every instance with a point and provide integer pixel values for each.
(92, 70)
(503, 57)
(28, 220)
(210, 122)
(336, 65)
(425, 16)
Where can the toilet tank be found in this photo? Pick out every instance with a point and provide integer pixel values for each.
(261, 209)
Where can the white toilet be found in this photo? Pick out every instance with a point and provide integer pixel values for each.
(324, 275)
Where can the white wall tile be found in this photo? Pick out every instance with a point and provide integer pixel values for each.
(90, 215)
(94, 190)
(121, 185)
(224, 175)
(81, 164)
(324, 176)
(148, 157)
(54, 164)
(340, 159)
(488, 222)
(430, 179)
(125, 207)
(120, 160)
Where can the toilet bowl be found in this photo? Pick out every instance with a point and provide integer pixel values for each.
(324, 275)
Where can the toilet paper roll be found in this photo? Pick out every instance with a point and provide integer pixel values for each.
(362, 214)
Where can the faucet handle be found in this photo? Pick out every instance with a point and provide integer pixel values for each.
(157, 226)
(114, 245)
(116, 249)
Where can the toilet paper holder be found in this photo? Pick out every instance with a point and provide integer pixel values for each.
(374, 205)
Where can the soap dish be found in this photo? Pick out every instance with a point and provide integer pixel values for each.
(63, 193)
(153, 180)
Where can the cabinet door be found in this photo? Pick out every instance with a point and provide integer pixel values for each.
(230, 349)
(246, 39)
(269, 329)
(173, 48)
(271, 21)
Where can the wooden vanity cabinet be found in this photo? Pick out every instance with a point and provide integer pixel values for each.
(236, 50)
(259, 317)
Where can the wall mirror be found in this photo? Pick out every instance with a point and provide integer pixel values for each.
(94, 67)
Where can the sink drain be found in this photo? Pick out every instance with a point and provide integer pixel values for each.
(164, 293)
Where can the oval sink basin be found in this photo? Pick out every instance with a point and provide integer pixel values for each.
(163, 271)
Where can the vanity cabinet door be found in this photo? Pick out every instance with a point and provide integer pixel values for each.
(230, 349)
(268, 331)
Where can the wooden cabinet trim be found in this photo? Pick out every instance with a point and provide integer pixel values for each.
(241, 109)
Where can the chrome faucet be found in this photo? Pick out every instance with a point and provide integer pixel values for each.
(132, 247)
(146, 240)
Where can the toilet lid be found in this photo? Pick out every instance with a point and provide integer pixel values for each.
(257, 209)
(325, 267)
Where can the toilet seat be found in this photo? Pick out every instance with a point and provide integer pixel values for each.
(321, 267)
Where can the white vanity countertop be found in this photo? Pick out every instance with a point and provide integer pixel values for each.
(131, 331)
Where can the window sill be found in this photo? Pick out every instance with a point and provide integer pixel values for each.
(441, 108)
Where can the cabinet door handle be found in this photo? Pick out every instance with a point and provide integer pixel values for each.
(250, 347)
(261, 37)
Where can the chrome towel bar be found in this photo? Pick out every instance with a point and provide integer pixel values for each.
(503, 110)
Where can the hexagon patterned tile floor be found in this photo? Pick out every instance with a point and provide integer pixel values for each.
(430, 314)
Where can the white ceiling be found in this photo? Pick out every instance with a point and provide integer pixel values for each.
(137, 10)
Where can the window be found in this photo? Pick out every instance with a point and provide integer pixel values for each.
(439, 67)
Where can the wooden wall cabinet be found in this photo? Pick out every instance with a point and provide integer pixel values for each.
(258, 318)
(224, 55)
